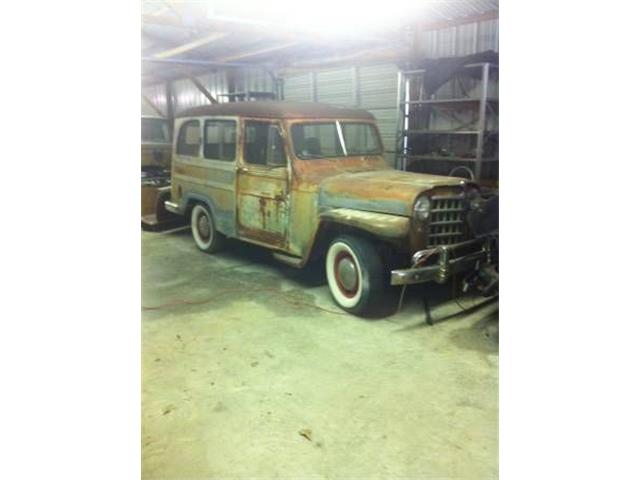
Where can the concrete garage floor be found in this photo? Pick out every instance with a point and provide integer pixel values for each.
(253, 379)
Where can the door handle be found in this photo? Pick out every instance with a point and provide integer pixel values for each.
(242, 170)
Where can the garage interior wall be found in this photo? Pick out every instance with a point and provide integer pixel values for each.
(187, 95)
(460, 40)
(372, 87)
(375, 87)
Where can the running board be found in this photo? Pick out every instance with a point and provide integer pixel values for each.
(289, 260)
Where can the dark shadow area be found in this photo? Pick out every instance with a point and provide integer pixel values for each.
(482, 336)
(463, 306)
(165, 226)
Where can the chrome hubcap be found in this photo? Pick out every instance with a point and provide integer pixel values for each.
(347, 273)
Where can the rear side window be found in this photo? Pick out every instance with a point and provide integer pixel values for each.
(189, 139)
(220, 140)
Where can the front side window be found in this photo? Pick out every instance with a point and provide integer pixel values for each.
(263, 144)
(155, 130)
(220, 140)
(316, 140)
(323, 140)
(189, 139)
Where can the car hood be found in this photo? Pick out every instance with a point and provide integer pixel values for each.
(383, 191)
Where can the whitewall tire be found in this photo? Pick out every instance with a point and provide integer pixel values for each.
(203, 229)
(355, 274)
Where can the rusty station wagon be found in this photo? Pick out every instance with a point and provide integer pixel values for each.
(155, 169)
(309, 182)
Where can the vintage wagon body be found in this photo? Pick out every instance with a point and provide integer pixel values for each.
(309, 181)
(155, 170)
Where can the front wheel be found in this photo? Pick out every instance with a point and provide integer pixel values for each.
(355, 274)
(203, 229)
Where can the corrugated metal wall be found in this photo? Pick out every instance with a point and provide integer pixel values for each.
(461, 40)
(187, 94)
(335, 86)
(378, 93)
(371, 87)
(374, 88)
(156, 95)
(255, 79)
(300, 88)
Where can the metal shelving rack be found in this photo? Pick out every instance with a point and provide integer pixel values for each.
(416, 111)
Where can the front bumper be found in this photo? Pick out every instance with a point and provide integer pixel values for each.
(448, 260)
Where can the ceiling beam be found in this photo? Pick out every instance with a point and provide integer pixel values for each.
(253, 53)
(153, 106)
(205, 24)
(189, 61)
(454, 22)
(191, 45)
(258, 27)
(353, 57)
(175, 72)
(203, 89)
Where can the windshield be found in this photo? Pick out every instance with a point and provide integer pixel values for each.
(334, 139)
(155, 130)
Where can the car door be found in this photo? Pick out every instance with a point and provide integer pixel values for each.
(263, 184)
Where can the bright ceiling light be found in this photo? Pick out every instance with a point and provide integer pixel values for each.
(333, 17)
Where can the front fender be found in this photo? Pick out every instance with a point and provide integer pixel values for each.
(379, 224)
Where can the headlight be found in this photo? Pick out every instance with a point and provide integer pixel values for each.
(421, 208)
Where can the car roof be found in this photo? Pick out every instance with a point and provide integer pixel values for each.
(276, 109)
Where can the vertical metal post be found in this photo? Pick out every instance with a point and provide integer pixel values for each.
(399, 124)
(232, 83)
(476, 42)
(280, 83)
(168, 91)
(405, 123)
(355, 86)
(314, 87)
(455, 41)
(482, 117)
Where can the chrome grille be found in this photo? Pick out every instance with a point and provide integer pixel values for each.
(446, 221)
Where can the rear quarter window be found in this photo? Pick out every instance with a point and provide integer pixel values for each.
(189, 139)
(220, 140)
